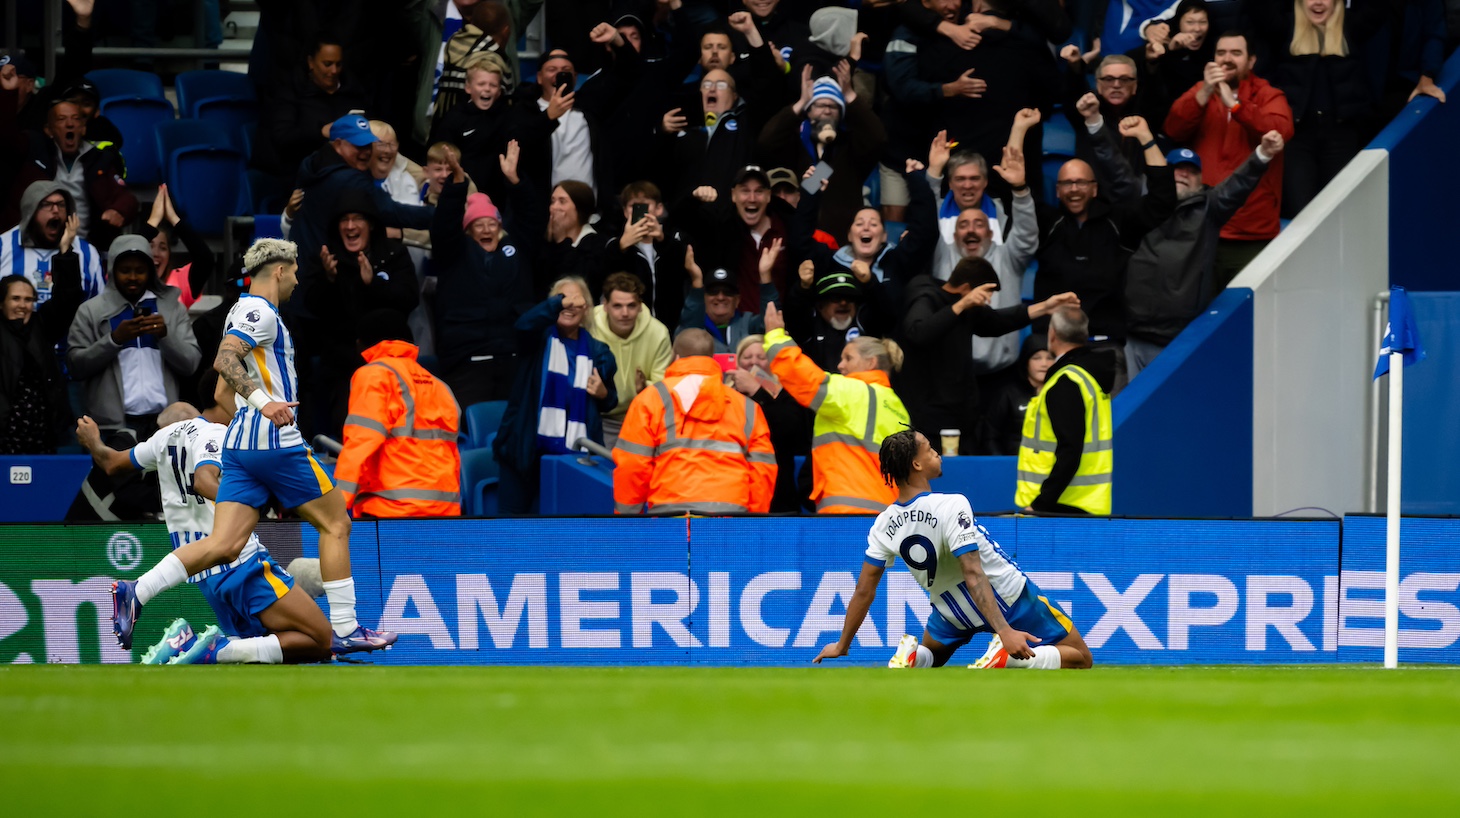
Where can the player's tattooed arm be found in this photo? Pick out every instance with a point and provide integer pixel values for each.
(229, 365)
(1016, 642)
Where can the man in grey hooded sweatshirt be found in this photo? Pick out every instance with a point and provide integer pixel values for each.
(131, 344)
(29, 248)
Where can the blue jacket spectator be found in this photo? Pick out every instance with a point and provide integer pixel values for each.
(563, 387)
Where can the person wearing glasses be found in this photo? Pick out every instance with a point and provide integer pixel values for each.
(1116, 97)
(1086, 241)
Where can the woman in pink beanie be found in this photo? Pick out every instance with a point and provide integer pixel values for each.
(483, 280)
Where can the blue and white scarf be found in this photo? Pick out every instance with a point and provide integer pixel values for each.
(564, 414)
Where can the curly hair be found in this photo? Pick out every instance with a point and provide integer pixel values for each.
(898, 452)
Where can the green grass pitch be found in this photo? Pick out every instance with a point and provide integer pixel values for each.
(265, 741)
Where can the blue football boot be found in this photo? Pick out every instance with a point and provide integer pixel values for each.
(125, 610)
(361, 639)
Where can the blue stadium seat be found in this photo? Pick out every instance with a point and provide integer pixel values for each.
(233, 116)
(249, 134)
(137, 118)
(481, 422)
(479, 475)
(205, 174)
(125, 82)
(267, 227)
(194, 88)
(266, 193)
(1059, 137)
(188, 133)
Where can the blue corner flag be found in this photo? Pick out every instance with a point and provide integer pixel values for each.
(1401, 334)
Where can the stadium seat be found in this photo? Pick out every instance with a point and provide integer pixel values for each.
(479, 475)
(233, 116)
(267, 227)
(1059, 137)
(124, 82)
(137, 118)
(206, 175)
(195, 88)
(250, 134)
(482, 421)
(267, 193)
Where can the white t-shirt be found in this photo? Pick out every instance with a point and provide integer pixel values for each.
(930, 533)
(175, 452)
(572, 148)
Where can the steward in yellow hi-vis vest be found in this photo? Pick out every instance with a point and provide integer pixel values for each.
(855, 410)
(1067, 457)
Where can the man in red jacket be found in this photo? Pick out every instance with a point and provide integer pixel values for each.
(1223, 118)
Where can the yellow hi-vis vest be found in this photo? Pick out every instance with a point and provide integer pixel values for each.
(1089, 489)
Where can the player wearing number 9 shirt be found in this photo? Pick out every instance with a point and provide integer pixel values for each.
(972, 583)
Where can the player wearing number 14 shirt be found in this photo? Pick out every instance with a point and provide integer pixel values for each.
(972, 583)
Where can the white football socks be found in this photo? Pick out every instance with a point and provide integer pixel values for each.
(1046, 657)
(263, 650)
(167, 573)
(341, 596)
(924, 657)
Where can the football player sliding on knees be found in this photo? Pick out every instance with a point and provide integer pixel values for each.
(973, 585)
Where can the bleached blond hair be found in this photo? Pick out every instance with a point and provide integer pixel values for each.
(1327, 41)
(269, 251)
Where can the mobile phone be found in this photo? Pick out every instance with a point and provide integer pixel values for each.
(812, 184)
(564, 79)
(638, 211)
(726, 360)
(144, 312)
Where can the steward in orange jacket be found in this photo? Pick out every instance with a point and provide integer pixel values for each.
(854, 410)
(691, 444)
(400, 457)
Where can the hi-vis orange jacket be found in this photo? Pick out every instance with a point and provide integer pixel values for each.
(854, 413)
(400, 457)
(691, 444)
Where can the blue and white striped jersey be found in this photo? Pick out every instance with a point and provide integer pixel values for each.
(175, 452)
(270, 361)
(930, 532)
(35, 264)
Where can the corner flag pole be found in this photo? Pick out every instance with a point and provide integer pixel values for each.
(1391, 564)
(1400, 347)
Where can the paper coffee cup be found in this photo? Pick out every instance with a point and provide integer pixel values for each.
(950, 442)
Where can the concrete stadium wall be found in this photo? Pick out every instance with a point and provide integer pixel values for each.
(1313, 356)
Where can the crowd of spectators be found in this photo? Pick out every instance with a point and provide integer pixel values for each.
(548, 226)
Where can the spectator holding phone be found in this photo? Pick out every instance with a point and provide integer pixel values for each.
(131, 345)
(645, 251)
(829, 124)
(572, 151)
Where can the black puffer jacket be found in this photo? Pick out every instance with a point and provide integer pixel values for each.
(480, 295)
